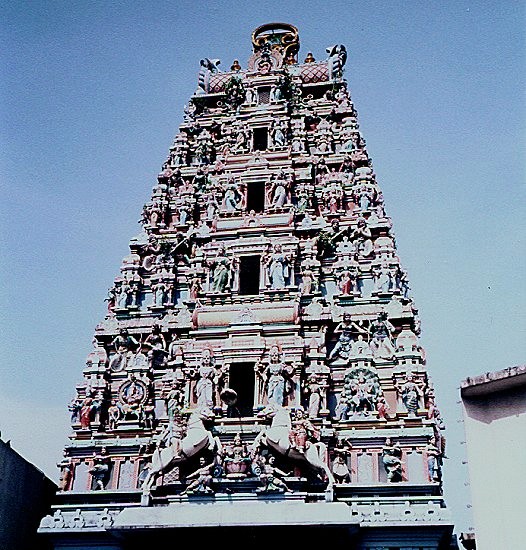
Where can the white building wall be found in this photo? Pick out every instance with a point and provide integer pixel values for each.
(496, 449)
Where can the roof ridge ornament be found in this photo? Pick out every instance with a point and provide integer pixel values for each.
(281, 37)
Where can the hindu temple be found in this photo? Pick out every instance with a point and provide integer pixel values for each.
(258, 378)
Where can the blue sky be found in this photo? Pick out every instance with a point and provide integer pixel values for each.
(92, 95)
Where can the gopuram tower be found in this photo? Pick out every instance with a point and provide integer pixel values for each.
(258, 373)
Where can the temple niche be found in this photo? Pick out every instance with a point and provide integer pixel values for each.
(261, 344)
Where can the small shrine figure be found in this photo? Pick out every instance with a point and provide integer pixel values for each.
(362, 392)
(237, 460)
(382, 407)
(86, 413)
(316, 391)
(158, 348)
(434, 460)
(74, 408)
(278, 267)
(220, 267)
(123, 343)
(195, 288)
(232, 198)
(202, 480)
(209, 377)
(277, 133)
(269, 479)
(114, 415)
(411, 391)
(308, 282)
(361, 236)
(343, 346)
(66, 473)
(277, 375)
(392, 461)
(174, 399)
(302, 431)
(100, 470)
(340, 469)
(172, 436)
(175, 352)
(382, 279)
(111, 299)
(279, 190)
(381, 342)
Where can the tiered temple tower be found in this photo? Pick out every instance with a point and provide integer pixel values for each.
(260, 356)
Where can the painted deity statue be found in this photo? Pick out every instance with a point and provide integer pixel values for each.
(221, 271)
(208, 378)
(278, 268)
(277, 375)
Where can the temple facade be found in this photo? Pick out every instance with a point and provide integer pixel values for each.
(258, 373)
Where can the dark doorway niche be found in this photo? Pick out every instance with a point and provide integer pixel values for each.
(241, 380)
(249, 275)
(256, 196)
(260, 139)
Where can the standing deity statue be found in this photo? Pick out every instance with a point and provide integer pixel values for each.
(123, 343)
(232, 198)
(382, 279)
(434, 460)
(361, 236)
(158, 348)
(100, 470)
(316, 390)
(277, 377)
(392, 460)
(340, 469)
(277, 133)
(277, 268)
(209, 378)
(411, 392)
(381, 342)
(302, 432)
(66, 473)
(343, 346)
(220, 266)
(279, 190)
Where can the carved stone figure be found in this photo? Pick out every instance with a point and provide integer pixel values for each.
(86, 413)
(278, 268)
(124, 344)
(277, 133)
(221, 271)
(279, 190)
(336, 61)
(114, 415)
(343, 346)
(361, 236)
(360, 392)
(277, 376)
(411, 392)
(66, 473)
(316, 391)
(392, 461)
(381, 342)
(270, 482)
(302, 431)
(237, 461)
(340, 470)
(100, 470)
(157, 344)
(434, 461)
(209, 377)
(207, 69)
(202, 479)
